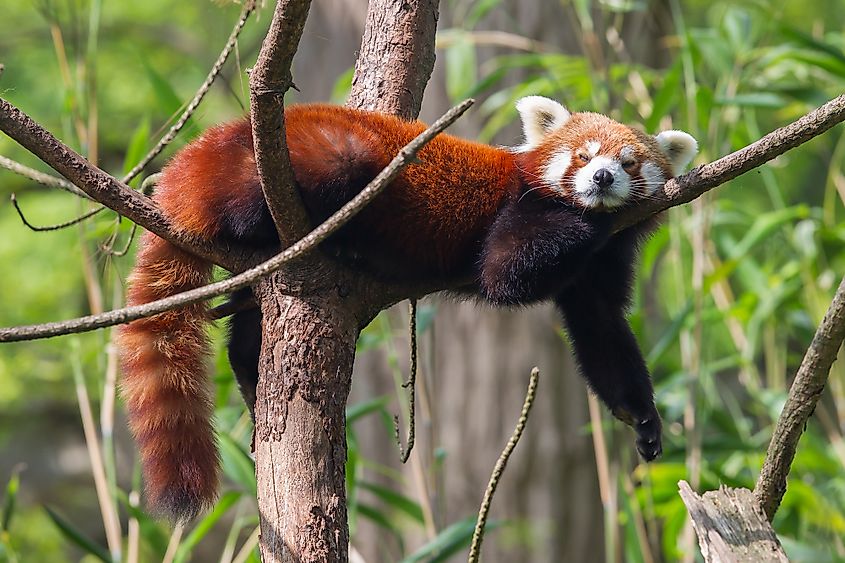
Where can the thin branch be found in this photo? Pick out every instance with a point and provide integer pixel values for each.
(701, 179)
(56, 227)
(803, 395)
(109, 250)
(40, 177)
(312, 239)
(268, 82)
(105, 189)
(411, 386)
(52, 181)
(249, 7)
(499, 469)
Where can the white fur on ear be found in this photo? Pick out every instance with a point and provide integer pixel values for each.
(540, 116)
(679, 147)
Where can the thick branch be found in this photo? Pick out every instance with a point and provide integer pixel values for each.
(312, 239)
(99, 185)
(396, 57)
(803, 395)
(706, 177)
(268, 82)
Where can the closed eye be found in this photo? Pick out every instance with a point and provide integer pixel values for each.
(629, 164)
(584, 157)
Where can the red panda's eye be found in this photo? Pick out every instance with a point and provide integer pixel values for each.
(583, 157)
(629, 164)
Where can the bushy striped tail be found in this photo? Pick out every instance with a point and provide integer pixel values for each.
(165, 385)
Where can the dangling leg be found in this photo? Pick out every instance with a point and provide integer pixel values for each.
(594, 310)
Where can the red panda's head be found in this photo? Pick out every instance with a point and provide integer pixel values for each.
(592, 161)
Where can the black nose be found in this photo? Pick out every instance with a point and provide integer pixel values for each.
(603, 178)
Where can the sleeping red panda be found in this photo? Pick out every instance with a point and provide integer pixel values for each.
(530, 223)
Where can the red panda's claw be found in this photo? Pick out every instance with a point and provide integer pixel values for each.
(648, 440)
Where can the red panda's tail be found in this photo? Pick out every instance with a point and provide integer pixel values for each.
(165, 385)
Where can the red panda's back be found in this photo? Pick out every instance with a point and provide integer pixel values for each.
(431, 219)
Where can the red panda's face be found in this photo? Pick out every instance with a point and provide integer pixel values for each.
(594, 162)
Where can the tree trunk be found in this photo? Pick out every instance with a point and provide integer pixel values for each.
(300, 444)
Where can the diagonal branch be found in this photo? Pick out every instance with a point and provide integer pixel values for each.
(307, 243)
(704, 178)
(102, 187)
(803, 395)
(268, 82)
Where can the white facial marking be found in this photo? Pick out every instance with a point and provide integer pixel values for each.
(556, 168)
(593, 147)
(626, 153)
(591, 195)
(653, 177)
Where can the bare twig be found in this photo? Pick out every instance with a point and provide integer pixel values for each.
(499, 469)
(312, 239)
(249, 7)
(56, 227)
(107, 190)
(800, 404)
(268, 82)
(109, 250)
(52, 181)
(411, 386)
(40, 177)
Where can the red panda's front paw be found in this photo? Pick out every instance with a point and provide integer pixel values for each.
(648, 430)
(649, 444)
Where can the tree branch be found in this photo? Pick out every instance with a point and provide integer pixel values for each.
(701, 179)
(249, 7)
(40, 177)
(312, 239)
(499, 469)
(396, 57)
(803, 395)
(731, 527)
(268, 82)
(102, 187)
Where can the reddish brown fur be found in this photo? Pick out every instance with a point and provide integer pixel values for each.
(430, 221)
(167, 395)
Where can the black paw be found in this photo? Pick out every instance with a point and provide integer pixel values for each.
(648, 442)
(647, 429)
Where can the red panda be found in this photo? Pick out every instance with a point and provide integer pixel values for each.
(528, 224)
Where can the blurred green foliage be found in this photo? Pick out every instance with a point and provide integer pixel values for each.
(729, 293)
(740, 278)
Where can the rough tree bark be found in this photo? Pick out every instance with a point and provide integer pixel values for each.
(396, 57)
(312, 314)
(731, 526)
(300, 443)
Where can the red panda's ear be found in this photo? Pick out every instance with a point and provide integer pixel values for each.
(679, 148)
(540, 116)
